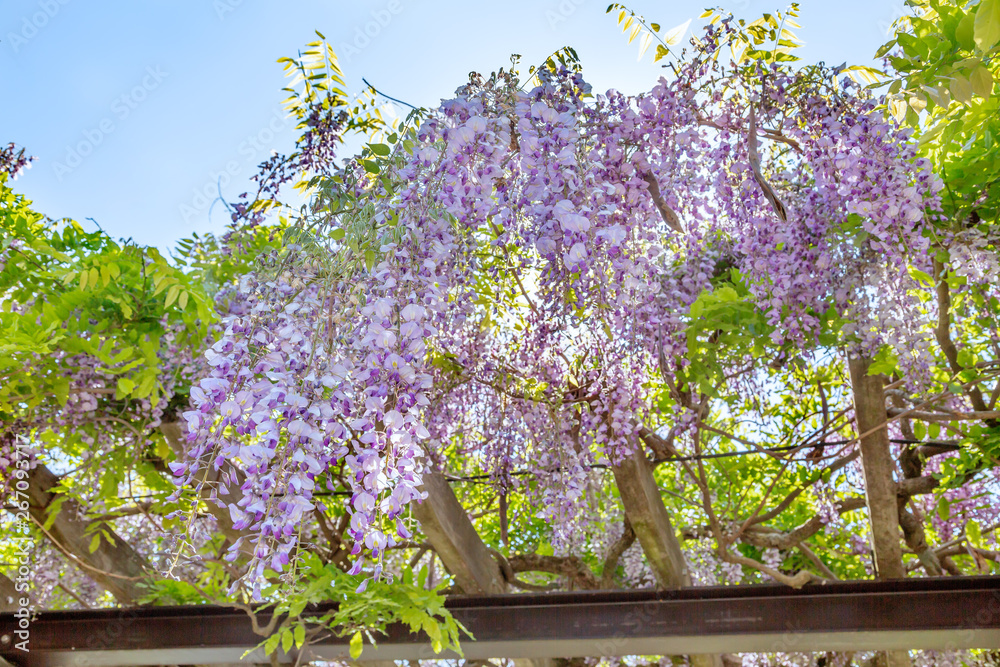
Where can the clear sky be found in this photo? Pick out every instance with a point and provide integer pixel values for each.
(135, 108)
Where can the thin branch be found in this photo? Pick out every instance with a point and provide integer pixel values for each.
(379, 92)
(619, 547)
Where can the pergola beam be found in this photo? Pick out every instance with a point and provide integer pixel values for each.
(941, 613)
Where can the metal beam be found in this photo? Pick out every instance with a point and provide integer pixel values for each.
(941, 613)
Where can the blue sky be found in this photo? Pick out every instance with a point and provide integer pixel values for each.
(135, 109)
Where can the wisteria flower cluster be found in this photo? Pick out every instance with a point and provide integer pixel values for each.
(536, 259)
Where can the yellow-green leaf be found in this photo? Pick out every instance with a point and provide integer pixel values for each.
(300, 635)
(357, 643)
(674, 36)
(172, 294)
(982, 81)
(864, 75)
(975, 534)
(964, 32)
(898, 109)
(961, 89)
(987, 28)
(125, 386)
(146, 386)
(644, 43)
(95, 542)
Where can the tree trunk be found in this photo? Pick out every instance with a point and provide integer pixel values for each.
(880, 489)
(114, 565)
(453, 537)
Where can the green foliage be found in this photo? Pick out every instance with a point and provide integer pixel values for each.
(66, 292)
(724, 324)
(360, 612)
(946, 69)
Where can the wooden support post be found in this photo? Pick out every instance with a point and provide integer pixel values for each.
(114, 565)
(880, 489)
(876, 459)
(455, 540)
(650, 520)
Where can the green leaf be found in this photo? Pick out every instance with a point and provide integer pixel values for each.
(95, 542)
(125, 386)
(300, 635)
(964, 33)
(975, 534)
(337, 234)
(884, 363)
(370, 167)
(287, 639)
(271, 644)
(379, 149)
(987, 28)
(357, 643)
(146, 385)
(966, 359)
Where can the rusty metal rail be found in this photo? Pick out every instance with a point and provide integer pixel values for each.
(941, 613)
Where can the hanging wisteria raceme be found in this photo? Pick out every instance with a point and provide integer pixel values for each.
(532, 262)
